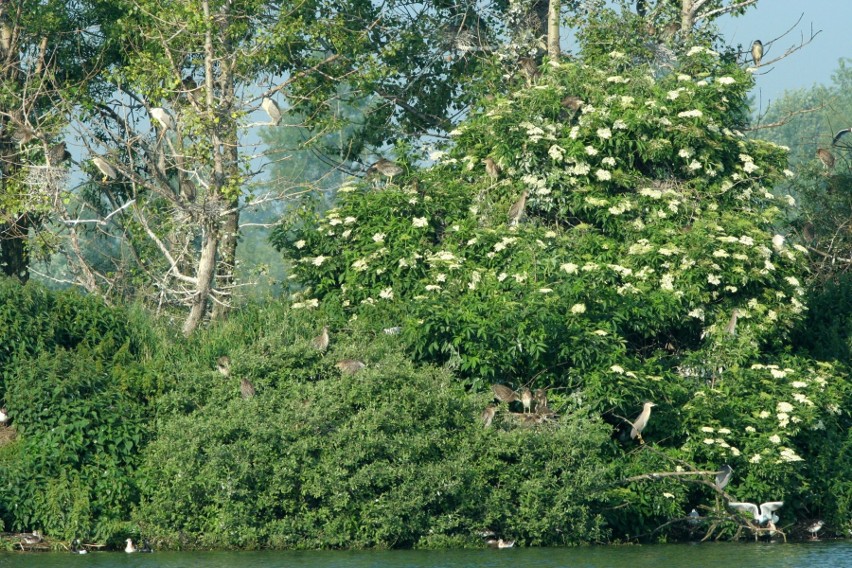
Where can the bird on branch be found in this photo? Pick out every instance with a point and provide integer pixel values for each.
(839, 135)
(518, 209)
(641, 421)
(272, 110)
(757, 52)
(826, 157)
(105, 168)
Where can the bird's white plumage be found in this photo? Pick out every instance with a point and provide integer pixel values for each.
(130, 547)
(270, 107)
(162, 117)
(762, 514)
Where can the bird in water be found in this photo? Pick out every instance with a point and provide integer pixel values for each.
(223, 365)
(517, 210)
(246, 388)
(130, 547)
(320, 342)
(350, 366)
(641, 422)
(77, 548)
(757, 52)
(270, 107)
(762, 514)
(826, 157)
(500, 543)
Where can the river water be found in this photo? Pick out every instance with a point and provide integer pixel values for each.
(716, 555)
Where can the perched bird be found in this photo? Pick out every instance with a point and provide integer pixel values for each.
(526, 399)
(573, 103)
(529, 69)
(488, 414)
(350, 366)
(504, 393)
(839, 135)
(223, 365)
(723, 476)
(384, 167)
(4, 416)
(246, 388)
(188, 190)
(517, 210)
(815, 528)
(57, 153)
(105, 168)
(491, 168)
(395, 330)
(694, 517)
(731, 328)
(826, 157)
(763, 514)
(641, 421)
(540, 399)
(162, 117)
(34, 537)
(271, 108)
(757, 52)
(188, 83)
(130, 546)
(320, 342)
(808, 232)
(641, 9)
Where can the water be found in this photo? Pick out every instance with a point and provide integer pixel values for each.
(715, 555)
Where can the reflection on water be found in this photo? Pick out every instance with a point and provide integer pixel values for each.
(717, 555)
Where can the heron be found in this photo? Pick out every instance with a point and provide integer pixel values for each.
(488, 414)
(320, 342)
(105, 168)
(491, 168)
(526, 399)
(839, 135)
(731, 328)
(162, 117)
(272, 110)
(223, 365)
(694, 517)
(761, 515)
(246, 388)
(517, 210)
(500, 543)
(34, 537)
(815, 528)
(529, 69)
(4, 416)
(77, 547)
(350, 366)
(641, 421)
(504, 393)
(130, 548)
(826, 157)
(723, 476)
(384, 167)
(540, 399)
(57, 153)
(757, 52)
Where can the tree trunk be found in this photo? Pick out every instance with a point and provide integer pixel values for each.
(227, 259)
(206, 270)
(553, 48)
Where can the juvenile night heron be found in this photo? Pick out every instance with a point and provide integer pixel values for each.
(246, 388)
(540, 399)
(488, 414)
(529, 69)
(491, 168)
(839, 135)
(641, 421)
(815, 528)
(731, 328)
(723, 476)
(105, 168)
(223, 365)
(384, 167)
(272, 110)
(826, 157)
(320, 342)
(504, 393)
(757, 52)
(761, 515)
(517, 210)
(350, 366)
(573, 103)
(526, 399)
(57, 153)
(162, 117)
(34, 537)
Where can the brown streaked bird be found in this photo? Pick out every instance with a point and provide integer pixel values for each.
(731, 328)
(518, 209)
(488, 414)
(826, 157)
(526, 399)
(386, 168)
(350, 366)
(491, 168)
(671, 29)
(757, 52)
(641, 421)
(320, 342)
(223, 365)
(540, 398)
(246, 388)
(572, 103)
(504, 393)
(57, 153)
(529, 69)
(544, 413)
(808, 232)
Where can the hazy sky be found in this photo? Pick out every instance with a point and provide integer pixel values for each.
(815, 62)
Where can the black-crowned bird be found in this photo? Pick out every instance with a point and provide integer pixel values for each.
(57, 153)
(641, 9)
(105, 168)
(491, 168)
(270, 107)
(384, 167)
(761, 515)
(518, 209)
(320, 342)
(815, 528)
(488, 414)
(826, 157)
(526, 399)
(731, 328)
(246, 388)
(757, 52)
(723, 476)
(504, 393)
(223, 365)
(839, 135)
(641, 422)
(350, 366)
(162, 117)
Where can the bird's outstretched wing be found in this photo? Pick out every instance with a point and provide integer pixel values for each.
(768, 507)
(504, 393)
(747, 507)
(839, 135)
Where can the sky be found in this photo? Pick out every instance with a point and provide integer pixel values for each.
(813, 64)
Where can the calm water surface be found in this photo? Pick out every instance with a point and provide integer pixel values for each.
(715, 555)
